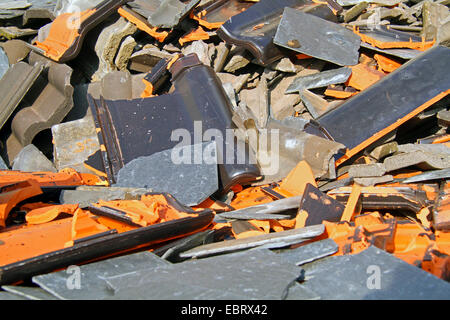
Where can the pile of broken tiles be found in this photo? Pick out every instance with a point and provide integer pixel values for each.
(247, 149)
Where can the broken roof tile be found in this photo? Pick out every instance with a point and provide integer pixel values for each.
(346, 282)
(324, 39)
(362, 118)
(321, 79)
(188, 181)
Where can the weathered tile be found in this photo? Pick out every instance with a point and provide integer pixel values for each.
(189, 182)
(379, 275)
(310, 252)
(32, 159)
(316, 37)
(222, 277)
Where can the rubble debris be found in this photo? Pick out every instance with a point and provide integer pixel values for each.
(212, 106)
(201, 49)
(15, 5)
(355, 11)
(428, 176)
(239, 59)
(371, 181)
(403, 53)
(221, 56)
(315, 104)
(327, 186)
(117, 85)
(10, 296)
(14, 32)
(295, 146)
(363, 76)
(322, 38)
(441, 216)
(3, 165)
(386, 64)
(32, 159)
(286, 65)
(65, 177)
(296, 181)
(196, 34)
(353, 206)
(387, 198)
(169, 12)
(141, 23)
(28, 10)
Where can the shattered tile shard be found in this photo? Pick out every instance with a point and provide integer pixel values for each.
(29, 293)
(189, 182)
(95, 287)
(170, 12)
(224, 277)
(398, 104)
(269, 241)
(278, 209)
(14, 85)
(424, 160)
(315, 207)
(399, 280)
(322, 39)
(84, 196)
(321, 79)
(32, 159)
(310, 252)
